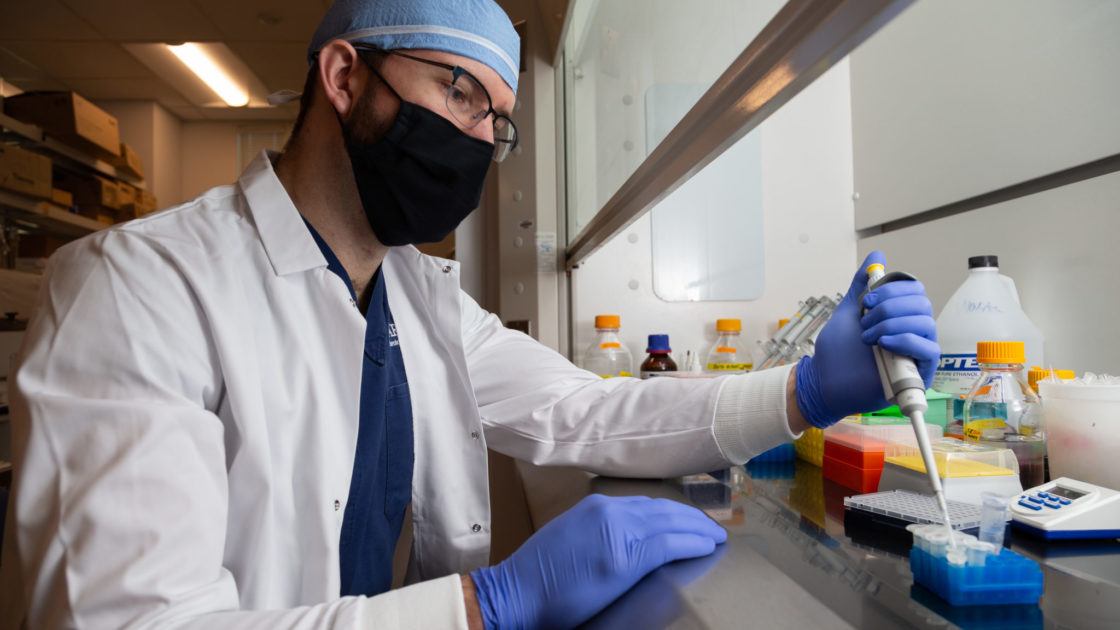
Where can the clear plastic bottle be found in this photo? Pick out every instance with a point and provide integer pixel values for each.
(985, 307)
(608, 356)
(658, 361)
(727, 355)
(1001, 397)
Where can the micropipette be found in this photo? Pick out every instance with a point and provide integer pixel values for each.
(903, 385)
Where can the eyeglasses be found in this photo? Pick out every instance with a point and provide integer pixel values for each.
(468, 102)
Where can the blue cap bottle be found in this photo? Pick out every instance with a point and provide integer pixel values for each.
(659, 359)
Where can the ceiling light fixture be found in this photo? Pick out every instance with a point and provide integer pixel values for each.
(195, 58)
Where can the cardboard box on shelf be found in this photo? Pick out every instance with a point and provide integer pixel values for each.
(62, 197)
(129, 162)
(140, 202)
(126, 203)
(146, 203)
(126, 195)
(25, 172)
(69, 118)
(90, 191)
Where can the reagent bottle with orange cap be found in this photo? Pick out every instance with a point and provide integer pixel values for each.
(727, 356)
(608, 356)
(1001, 399)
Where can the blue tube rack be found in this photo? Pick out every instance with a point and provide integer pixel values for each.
(780, 453)
(776, 463)
(1007, 578)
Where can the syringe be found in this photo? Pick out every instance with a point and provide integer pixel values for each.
(903, 385)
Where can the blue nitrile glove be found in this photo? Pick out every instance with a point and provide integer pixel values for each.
(587, 557)
(841, 378)
(657, 600)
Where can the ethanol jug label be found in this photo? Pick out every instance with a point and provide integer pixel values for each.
(956, 373)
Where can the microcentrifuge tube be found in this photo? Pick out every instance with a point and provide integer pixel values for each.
(993, 518)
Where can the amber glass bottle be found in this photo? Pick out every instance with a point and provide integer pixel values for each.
(658, 359)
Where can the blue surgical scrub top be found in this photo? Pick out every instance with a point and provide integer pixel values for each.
(381, 486)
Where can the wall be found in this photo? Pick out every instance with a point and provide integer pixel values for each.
(166, 176)
(209, 156)
(809, 241)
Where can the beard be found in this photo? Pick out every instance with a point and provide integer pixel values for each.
(368, 122)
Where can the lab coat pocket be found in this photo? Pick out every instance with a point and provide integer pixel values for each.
(399, 449)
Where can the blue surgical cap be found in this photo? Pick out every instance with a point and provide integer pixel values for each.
(477, 29)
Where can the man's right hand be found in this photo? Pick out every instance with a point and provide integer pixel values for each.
(589, 556)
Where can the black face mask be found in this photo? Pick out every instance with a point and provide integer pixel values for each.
(419, 180)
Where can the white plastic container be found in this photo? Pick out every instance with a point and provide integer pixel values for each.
(984, 308)
(1082, 423)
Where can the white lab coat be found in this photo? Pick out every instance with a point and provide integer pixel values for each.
(186, 412)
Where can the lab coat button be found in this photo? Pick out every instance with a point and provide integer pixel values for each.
(474, 435)
(447, 269)
(476, 528)
(337, 505)
(353, 303)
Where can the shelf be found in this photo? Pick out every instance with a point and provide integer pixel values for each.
(62, 155)
(46, 215)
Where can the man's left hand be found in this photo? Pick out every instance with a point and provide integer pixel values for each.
(841, 377)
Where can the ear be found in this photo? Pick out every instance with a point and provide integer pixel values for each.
(339, 75)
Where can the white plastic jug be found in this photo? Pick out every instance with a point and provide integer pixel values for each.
(984, 308)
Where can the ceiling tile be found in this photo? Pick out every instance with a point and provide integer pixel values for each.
(146, 20)
(36, 84)
(152, 89)
(265, 20)
(282, 113)
(42, 19)
(14, 68)
(91, 60)
(279, 65)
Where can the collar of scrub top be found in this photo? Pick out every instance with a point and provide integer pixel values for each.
(376, 336)
(288, 244)
(334, 264)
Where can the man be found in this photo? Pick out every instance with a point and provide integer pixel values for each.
(223, 410)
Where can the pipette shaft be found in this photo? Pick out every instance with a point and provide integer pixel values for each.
(903, 385)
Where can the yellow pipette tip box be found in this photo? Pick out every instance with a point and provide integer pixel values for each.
(955, 469)
(966, 470)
